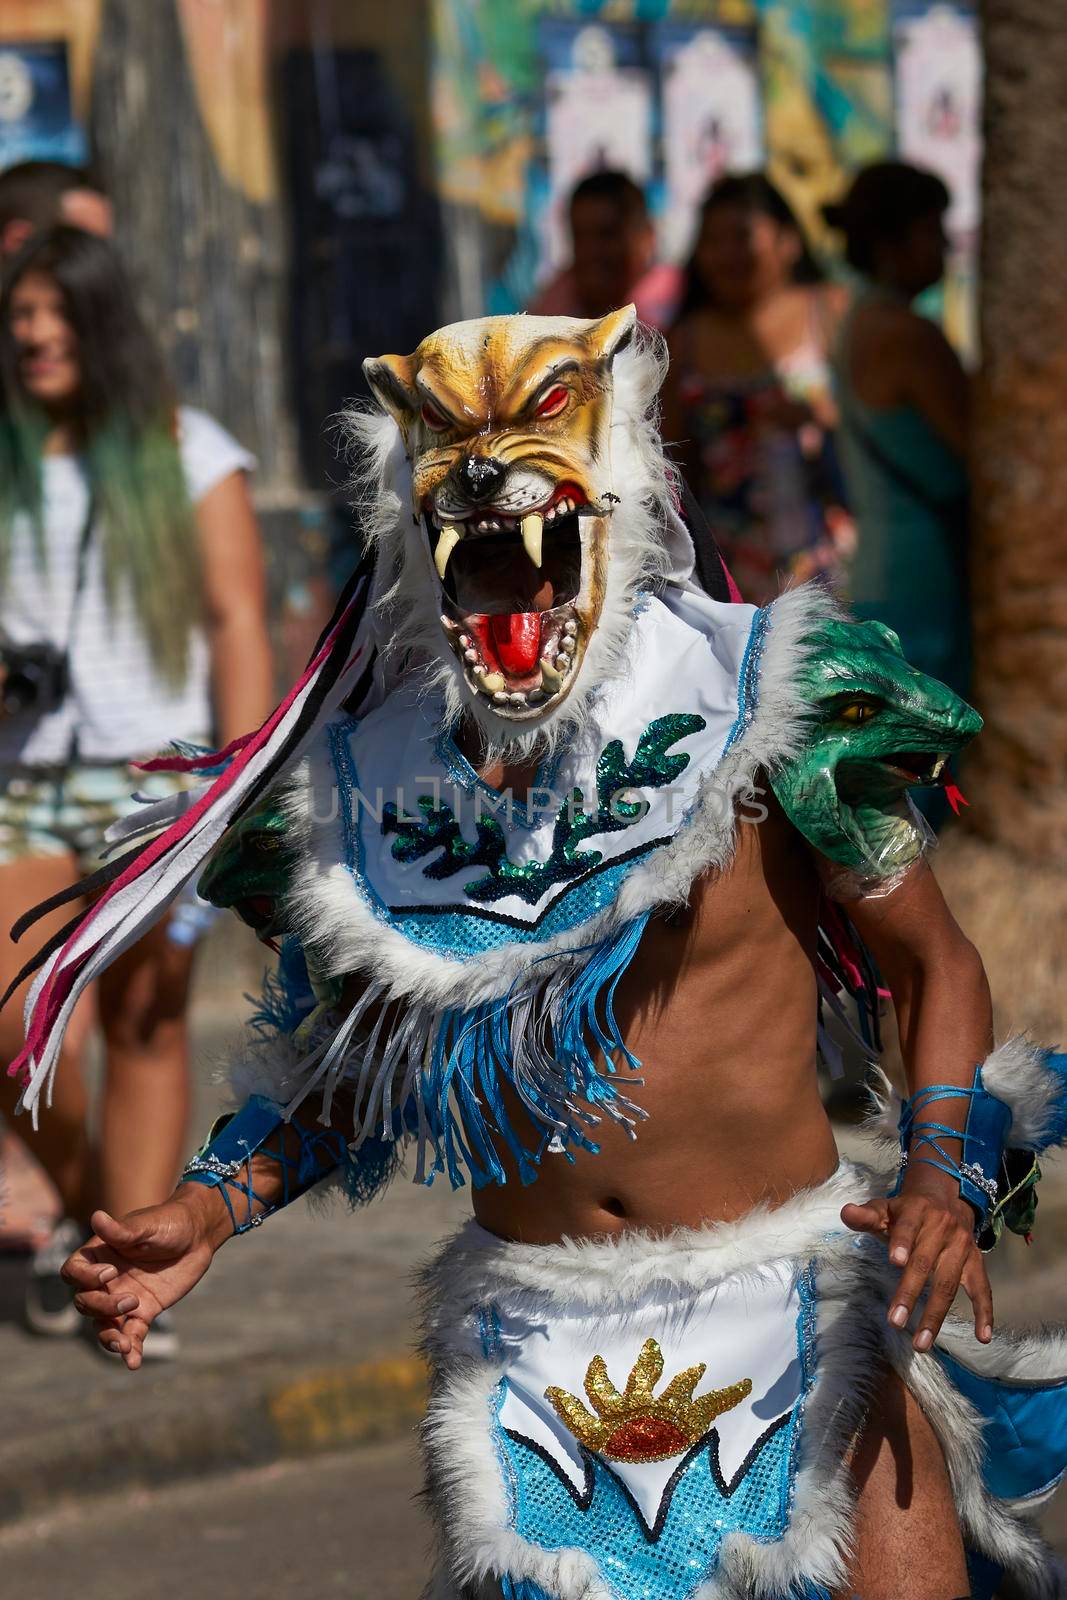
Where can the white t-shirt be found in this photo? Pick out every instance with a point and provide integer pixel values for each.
(118, 709)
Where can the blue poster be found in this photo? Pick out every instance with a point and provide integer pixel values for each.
(36, 119)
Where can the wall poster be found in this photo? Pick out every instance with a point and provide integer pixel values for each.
(598, 115)
(938, 77)
(36, 120)
(712, 122)
(938, 91)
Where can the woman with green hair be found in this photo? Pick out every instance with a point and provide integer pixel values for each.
(131, 610)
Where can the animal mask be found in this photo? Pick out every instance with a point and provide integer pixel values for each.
(877, 728)
(506, 424)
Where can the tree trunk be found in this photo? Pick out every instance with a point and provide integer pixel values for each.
(1017, 781)
(208, 262)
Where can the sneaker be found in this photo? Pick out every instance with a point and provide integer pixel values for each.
(49, 1304)
(161, 1340)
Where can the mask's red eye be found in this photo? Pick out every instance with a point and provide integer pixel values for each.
(432, 417)
(552, 403)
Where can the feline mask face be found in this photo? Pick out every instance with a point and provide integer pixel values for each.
(506, 423)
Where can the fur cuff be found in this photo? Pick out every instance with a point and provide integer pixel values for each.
(1032, 1083)
(1030, 1080)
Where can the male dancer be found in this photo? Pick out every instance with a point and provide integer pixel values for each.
(569, 866)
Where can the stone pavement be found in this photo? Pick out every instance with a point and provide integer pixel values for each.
(347, 1525)
(300, 1338)
(299, 1341)
(338, 1527)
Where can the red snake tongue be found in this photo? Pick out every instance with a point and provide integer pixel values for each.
(517, 641)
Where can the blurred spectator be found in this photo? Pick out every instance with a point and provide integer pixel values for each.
(613, 246)
(41, 194)
(747, 402)
(131, 586)
(35, 195)
(903, 400)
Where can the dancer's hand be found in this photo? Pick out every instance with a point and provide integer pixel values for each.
(929, 1231)
(134, 1268)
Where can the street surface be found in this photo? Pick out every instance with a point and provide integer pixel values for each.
(345, 1526)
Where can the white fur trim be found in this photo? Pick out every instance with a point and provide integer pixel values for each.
(343, 935)
(853, 1340)
(605, 1274)
(1016, 1073)
(467, 1496)
(989, 1525)
(881, 1121)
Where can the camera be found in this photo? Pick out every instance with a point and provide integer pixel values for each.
(33, 678)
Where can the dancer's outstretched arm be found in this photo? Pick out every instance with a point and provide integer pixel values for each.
(138, 1265)
(945, 1022)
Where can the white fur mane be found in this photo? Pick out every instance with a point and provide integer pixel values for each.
(407, 621)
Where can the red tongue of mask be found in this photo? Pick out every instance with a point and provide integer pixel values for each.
(517, 641)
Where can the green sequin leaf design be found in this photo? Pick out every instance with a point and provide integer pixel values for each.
(436, 827)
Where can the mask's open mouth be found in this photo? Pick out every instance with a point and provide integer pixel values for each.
(258, 911)
(511, 587)
(921, 767)
(891, 774)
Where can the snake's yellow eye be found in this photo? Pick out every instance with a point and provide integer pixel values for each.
(857, 711)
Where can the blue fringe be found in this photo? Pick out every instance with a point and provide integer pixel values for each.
(287, 996)
(286, 999)
(474, 1056)
(369, 1170)
(522, 1589)
(553, 1040)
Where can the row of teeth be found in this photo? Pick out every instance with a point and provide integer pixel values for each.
(553, 672)
(532, 527)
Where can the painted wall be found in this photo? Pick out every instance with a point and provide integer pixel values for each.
(484, 122)
(827, 73)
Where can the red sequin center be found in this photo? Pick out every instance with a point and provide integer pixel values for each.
(646, 1439)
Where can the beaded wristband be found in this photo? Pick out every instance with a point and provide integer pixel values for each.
(236, 1138)
(983, 1139)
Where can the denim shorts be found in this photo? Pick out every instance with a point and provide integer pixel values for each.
(66, 810)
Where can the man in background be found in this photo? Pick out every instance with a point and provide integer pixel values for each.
(613, 246)
(39, 194)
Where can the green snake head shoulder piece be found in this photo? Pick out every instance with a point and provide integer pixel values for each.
(250, 870)
(250, 873)
(878, 727)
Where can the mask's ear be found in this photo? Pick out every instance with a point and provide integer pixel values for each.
(612, 333)
(391, 380)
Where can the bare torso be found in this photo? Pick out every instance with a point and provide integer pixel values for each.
(719, 1006)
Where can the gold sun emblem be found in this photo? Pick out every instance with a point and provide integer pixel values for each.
(635, 1425)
